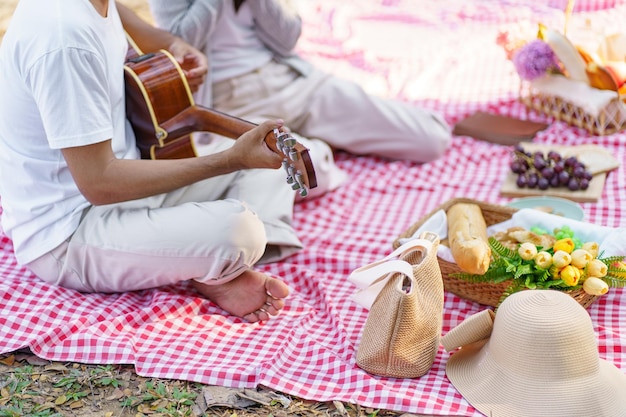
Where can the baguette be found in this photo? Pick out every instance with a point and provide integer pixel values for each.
(467, 237)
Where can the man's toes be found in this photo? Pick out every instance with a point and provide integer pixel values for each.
(273, 305)
(251, 317)
(276, 288)
(269, 308)
(259, 315)
(262, 315)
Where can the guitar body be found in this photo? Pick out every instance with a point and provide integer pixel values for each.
(163, 114)
(150, 80)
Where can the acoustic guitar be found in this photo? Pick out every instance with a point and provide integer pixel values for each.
(163, 115)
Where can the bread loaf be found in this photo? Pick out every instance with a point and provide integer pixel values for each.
(467, 237)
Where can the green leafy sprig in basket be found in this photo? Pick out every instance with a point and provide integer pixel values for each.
(568, 265)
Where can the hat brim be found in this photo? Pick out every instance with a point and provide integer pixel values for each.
(496, 392)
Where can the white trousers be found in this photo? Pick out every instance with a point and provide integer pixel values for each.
(336, 111)
(211, 231)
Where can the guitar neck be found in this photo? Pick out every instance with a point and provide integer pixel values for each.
(197, 118)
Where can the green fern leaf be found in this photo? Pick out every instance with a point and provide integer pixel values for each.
(614, 281)
(494, 274)
(543, 275)
(523, 269)
(499, 250)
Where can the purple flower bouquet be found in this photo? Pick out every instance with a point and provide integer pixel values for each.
(535, 59)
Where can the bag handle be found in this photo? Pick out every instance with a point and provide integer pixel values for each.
(371, 278)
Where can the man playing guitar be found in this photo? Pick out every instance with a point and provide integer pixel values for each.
(85, 211)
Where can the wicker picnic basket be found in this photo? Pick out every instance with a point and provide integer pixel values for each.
(482, 293)
(611, 119)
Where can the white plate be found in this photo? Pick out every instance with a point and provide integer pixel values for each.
(554, 205)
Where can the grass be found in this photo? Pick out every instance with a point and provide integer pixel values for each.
(30, 386)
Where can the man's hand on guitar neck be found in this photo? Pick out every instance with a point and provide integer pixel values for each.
(251, 151)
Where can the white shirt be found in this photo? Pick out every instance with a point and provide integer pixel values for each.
(236, 48)
(61, 77)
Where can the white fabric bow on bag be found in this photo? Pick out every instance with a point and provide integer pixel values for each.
(370, 279)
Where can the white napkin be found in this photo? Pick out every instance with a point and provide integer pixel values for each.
(608, 238)
(437, 223)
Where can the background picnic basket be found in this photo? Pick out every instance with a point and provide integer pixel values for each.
(610, 119)
(482, 292)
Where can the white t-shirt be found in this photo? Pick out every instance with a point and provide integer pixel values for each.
(61, 78)
(236, 47)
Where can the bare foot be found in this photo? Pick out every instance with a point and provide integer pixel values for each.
(252, 296)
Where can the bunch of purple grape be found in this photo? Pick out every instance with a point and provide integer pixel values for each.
(538, 170)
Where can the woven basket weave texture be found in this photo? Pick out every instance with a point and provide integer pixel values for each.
(611, 118)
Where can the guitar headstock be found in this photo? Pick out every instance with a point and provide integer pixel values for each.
(296, 161)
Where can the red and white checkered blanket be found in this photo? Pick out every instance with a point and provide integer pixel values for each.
(438, 54)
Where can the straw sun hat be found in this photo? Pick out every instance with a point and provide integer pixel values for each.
(537, 357)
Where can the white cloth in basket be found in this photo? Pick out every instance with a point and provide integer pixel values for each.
(609, 239)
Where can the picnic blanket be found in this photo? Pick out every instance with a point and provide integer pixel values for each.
(436, 54)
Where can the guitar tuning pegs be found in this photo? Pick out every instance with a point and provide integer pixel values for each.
(280, 136)
(289, 141)
(279, 140)
(299, 179)
(296, 185)
(289, 170)
(285, 144)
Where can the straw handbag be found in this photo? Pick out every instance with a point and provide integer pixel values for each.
(405, 295)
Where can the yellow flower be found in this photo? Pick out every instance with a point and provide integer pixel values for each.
(543, 259)
(566, 245)
(527, 251)
(570, 275)
(580, 258)
(555, 272)
(595, 286)
(592, 248)
(596, 268)
(561, 259)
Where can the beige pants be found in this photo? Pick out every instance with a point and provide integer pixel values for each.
(211, 231)
(336, 111)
